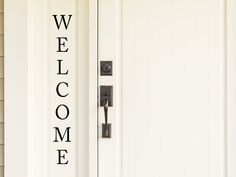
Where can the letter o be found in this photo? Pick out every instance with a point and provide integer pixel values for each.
(67, 112)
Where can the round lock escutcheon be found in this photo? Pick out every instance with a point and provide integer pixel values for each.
(106, 68)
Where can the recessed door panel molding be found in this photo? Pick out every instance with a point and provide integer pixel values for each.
(179, 72)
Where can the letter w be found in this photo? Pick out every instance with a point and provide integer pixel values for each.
(62, 20)
(67, 132)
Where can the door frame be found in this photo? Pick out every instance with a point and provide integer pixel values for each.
(230, 71)
(17, 102)
(17, 106)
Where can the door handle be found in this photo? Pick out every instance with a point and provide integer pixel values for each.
(106, 127)
(106, 101)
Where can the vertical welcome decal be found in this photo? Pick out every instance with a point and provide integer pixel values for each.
(60, 134)
(62, 147)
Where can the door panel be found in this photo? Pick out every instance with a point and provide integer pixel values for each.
(169, 117)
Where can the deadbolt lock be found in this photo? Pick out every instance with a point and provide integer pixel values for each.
(106, 68)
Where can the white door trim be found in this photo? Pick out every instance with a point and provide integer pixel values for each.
(93, 91)
(18, 64)
(231, 86)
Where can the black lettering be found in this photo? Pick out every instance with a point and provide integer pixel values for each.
(66, 133)
(62, 20)
(62, 44)
(67, 112)
(62, 156)
(58, 91)
(60, 70)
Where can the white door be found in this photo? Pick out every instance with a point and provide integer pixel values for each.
(120, 88)
(169, 115)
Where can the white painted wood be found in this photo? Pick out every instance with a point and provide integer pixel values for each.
(31, 115)
(231, 86)
(16, 65)
(38, 85)
(169, 60)
(93, 113)
(69, 62)
(108, 149)
(171, 67)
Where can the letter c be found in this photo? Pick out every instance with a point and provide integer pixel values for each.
(58, 91)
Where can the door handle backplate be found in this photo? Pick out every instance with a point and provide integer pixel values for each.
(106, 101)
(106, 93)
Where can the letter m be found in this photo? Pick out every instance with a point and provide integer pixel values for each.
(63, 20)
(60, 136)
